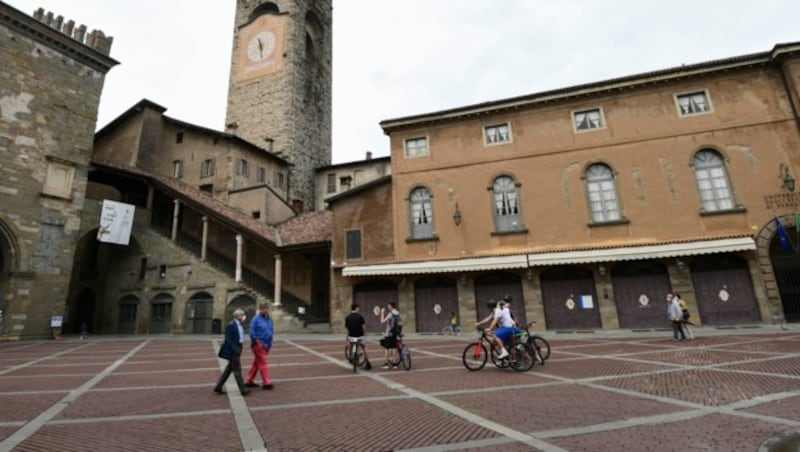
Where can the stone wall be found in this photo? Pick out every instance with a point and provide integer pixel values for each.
(45, 141)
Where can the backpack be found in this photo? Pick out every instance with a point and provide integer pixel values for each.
(397, 325)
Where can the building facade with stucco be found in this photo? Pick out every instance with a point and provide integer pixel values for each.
(587, 204)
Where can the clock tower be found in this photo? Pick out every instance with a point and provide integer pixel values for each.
(279, 94)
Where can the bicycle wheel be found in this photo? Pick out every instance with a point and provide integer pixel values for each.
(446, 330)
(524, 358)
(354, 353)
(457, 330)
(406, 358)
(474, 356)
(541, 347)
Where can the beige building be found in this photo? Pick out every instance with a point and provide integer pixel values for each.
(334, 180)
(588, 203)
(247, 177)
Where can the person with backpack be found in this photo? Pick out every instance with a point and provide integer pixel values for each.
(394, 324)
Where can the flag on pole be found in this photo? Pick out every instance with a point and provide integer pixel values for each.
(782, 236)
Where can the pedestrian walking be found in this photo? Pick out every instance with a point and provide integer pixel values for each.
(231, 350)
(686, 324)
(261, 330)
(675, 316)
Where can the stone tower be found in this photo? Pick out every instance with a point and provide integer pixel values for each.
(279, 95)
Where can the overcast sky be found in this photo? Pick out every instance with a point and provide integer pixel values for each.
(399, 58)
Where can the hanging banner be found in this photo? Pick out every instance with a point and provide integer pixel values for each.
(116, 222)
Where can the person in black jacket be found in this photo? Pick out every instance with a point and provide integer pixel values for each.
(231, 350)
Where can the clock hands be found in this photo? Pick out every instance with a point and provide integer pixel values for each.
(260, 48)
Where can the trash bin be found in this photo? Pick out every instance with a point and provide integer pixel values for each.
(216, 326)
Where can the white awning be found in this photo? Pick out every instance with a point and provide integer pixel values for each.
(643, 252)
(625, 253)
(442, 266)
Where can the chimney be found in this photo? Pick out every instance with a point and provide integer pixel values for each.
(369, 155)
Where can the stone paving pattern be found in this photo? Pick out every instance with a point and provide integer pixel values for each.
(728, 390)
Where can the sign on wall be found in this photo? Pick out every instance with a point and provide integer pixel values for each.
(116, 222)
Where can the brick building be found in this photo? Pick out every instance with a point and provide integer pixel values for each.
(588, 203)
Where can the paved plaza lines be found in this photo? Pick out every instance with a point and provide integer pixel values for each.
(727, 390)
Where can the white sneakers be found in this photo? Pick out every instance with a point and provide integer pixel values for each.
(503, 354)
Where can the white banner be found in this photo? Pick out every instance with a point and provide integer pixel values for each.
(116, 221)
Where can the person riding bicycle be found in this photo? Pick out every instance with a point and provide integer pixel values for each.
(500, 317)
(357, 328)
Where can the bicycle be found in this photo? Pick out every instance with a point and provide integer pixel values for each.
(403, 354)
(539, 344)
(354, 352)
(520, 357)
(450, 329)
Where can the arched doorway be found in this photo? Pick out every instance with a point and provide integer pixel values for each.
(495, 286)
(434, 299)
(569, 297)
(371, 296)
(85, 311)
(128, 310)
(247, 304)
(8, 263)
(786, 265)
(639, 289)
(161, 313)
(199, 311)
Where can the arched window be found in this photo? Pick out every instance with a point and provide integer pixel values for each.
(601, 191)
(421, 213)
(712, 181)
(313, 32)
(505, 198)
(264, 8)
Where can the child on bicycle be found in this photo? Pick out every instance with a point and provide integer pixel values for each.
(453, 323)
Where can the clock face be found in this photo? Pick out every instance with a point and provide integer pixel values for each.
(261, 46)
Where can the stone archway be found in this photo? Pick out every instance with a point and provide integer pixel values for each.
(9, 255)
(767, 256)
(199, 312)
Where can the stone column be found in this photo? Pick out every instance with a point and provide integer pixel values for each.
(175, 213)
(204, 240)
(278, 270)
(239, 241)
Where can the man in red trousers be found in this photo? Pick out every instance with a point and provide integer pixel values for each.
(260, 342)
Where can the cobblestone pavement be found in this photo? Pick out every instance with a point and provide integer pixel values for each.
(728, 390)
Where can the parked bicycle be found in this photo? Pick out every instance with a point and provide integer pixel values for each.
(520, 354)
(539, 344)
(354, 352)
(403, 354)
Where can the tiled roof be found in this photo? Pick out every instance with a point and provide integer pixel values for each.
(310, 227)
(313, 227)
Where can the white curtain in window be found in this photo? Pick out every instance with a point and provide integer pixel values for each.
(712, 181)
(602, 194)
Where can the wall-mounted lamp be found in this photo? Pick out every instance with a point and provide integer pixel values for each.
(601, 269)
(787, 181)
(679, 263)
(529, 275)
(457, 216)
